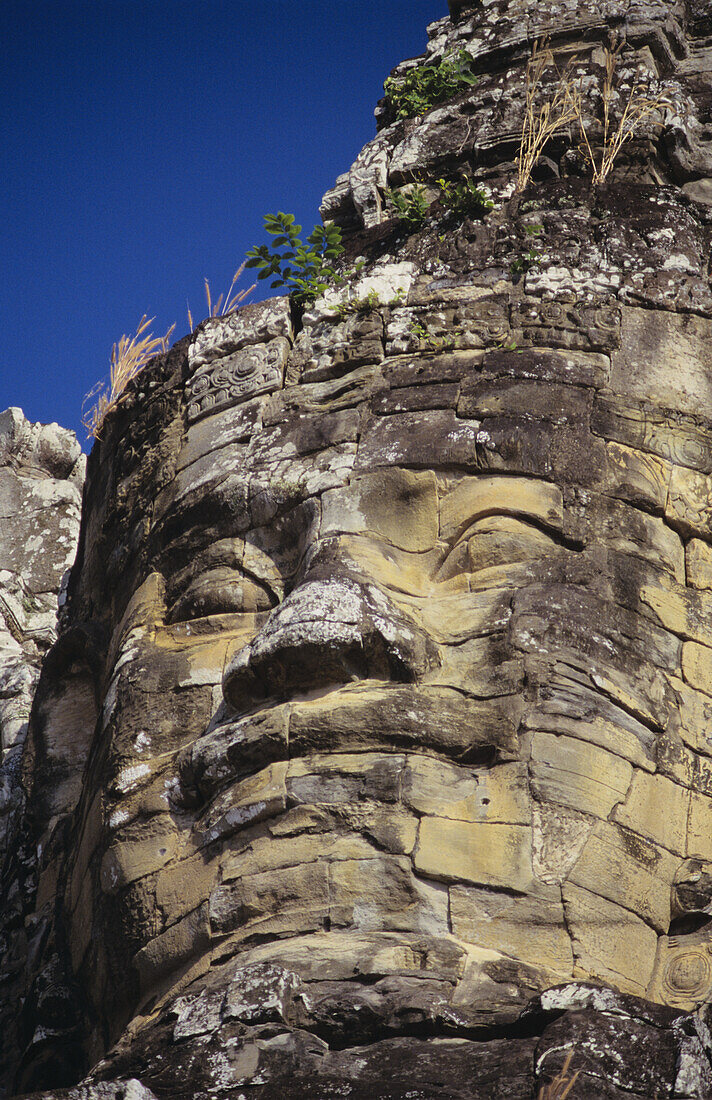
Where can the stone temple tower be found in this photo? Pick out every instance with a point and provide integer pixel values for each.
(374, 755)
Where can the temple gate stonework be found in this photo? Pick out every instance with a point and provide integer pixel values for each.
(374, 754)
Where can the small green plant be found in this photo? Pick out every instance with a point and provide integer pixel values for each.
(367, 304)
(128, 357)
(533, 230)
(464, 198)
(504, 343)
(411, 206)
(433, 343)
(306, 268)
(419, 89)
(29, 603)
(526, 261)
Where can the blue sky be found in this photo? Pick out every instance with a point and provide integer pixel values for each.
(142, 143)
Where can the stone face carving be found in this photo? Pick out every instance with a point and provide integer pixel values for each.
(386, 658)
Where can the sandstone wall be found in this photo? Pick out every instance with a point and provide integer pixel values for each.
(389, 643)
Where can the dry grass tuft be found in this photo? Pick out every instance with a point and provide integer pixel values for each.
(128, 357)
(562, 1084)
(542, 121)
(232, 300)
(638, 108)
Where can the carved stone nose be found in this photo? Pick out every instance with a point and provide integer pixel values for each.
(328, 631)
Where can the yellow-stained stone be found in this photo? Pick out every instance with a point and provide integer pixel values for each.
(473, 663)
(146, 609)
(129, 859)
(253, 799)
(453, 619)
(610, 943)
(283, 901)
(641, 695)
(671, 608)
(480, 852)
(485, 975)
(558, 837)
(391, 828)
(340, 954)
(346, 763)
(436, 788)
(388, 825)
(637, 476)
(683, 976)
(400, 570)
(175, 946)
(206, 661)
(523, 927)
(699, 827)
(400, 506)
(684, 766)
(578, 774)
(698, 563)
(629, 871)
(683, 611)
(694, 713)
(184, 885)
(658, 809)
(689, 504)
(697, 666)
(501, 540)
(236, 629)
(477, 497)
(268, 853)
(383, 893)
(595, 730)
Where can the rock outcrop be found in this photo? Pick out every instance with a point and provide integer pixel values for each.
(374, 756)
(41, 478)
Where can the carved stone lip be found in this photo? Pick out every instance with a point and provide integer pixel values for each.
(365, 716)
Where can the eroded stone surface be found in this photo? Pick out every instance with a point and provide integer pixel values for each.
(388, 648)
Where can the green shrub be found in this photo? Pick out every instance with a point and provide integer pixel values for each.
(526, 261)
(411, 206)
(464, 198)
(420, 89)
(305, 268)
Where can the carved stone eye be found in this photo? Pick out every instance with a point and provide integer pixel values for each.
(218, 592)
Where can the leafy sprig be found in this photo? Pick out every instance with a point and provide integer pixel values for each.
(419, 89)
(464, 198)
(411, 206)
(306, 268)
